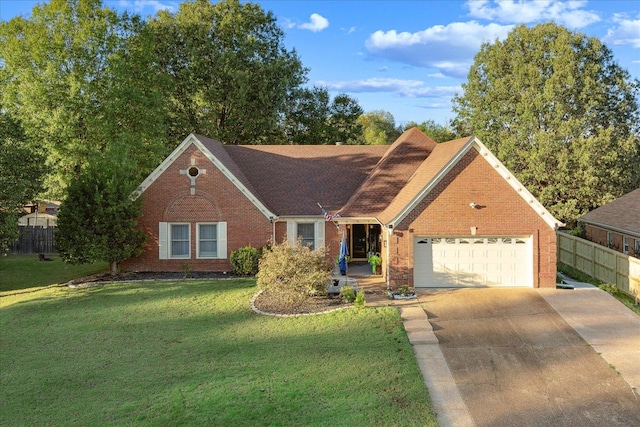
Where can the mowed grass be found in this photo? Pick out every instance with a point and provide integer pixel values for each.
(26, 271)
(193, 353)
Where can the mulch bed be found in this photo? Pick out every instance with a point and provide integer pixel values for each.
(267, 304)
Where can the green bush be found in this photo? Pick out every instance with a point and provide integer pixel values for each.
(348, 293)
(292, 273)
(359, 301)
(245, 261)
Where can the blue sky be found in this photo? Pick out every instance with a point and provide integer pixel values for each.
(410, 57)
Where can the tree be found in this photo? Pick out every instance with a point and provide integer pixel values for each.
(378, 128)
(561, 114)
(231, 75)
(79, 78)
(21, 174)
(98, 219)
(435, 131)
(312, 119)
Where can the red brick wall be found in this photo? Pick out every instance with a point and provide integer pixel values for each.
(446, 212)
(168, 199)
(599, 235)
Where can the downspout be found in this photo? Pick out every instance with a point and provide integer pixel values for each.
(387, 257)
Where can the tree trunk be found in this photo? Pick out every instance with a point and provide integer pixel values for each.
(113, 267)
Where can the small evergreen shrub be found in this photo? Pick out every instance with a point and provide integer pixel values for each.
(245, 261)
(292, 273)
(347, 293)
(359, 302)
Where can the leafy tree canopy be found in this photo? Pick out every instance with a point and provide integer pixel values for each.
(435, 131)
(21, 174)
(230, 73)
(557, 109)
(98, 219)
(378, 128)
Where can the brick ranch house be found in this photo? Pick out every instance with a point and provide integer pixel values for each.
(439, 215)
(616, 225)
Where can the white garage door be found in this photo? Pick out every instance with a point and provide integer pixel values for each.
(473, 261)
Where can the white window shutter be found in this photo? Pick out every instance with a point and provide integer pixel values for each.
(319, 243)
(163, 242)
(222, 240)
(291, 232)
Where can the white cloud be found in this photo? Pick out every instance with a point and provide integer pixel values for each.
(448, 48)
(138, 6)
(406, 88)
(627, 31)
(317, 23)
(569, 13)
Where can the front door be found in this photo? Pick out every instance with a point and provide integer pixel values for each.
(365, 239)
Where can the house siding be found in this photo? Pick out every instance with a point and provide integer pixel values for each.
(214, 199)
(599, 235)
(445, 211)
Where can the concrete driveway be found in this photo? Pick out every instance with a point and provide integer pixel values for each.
(516, 361)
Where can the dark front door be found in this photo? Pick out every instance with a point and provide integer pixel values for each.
(365, 239)
(359, 241)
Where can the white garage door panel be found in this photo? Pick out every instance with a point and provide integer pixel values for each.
(473, 261)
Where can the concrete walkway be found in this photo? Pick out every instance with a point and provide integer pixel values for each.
(564, 392)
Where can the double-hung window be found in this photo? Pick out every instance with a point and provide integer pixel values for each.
(207, 240)
(625, 245)
(180, 244)
(175, 240)
(306, 234)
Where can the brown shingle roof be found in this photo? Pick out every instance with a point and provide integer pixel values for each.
(442, 154)
(293, 179)
(391, 174)
(622, 214)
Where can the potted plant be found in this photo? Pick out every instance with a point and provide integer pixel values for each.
(375, 261)
(404, 292)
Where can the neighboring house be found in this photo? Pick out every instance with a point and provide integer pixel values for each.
(616, 225)
(440, 215)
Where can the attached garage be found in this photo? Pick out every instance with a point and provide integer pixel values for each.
(444, 262)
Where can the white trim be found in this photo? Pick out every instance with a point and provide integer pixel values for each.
(163, 242)
(222, 240)
(474, 143)
(181, 148)
(319, 228)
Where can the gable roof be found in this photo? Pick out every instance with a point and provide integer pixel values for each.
(622, 214)
(213, 150)
(379, 182)
(390, 175)
(443, 159)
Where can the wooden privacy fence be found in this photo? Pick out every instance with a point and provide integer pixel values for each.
(601, 263)
(35, 240)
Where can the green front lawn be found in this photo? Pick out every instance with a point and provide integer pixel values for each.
(26, 271)
(193, 353)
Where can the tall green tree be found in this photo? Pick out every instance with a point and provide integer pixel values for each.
(312, 118)
(231, 75)
(97, 221)
(21, 174)
(557, 109)
(435, 131)
(79, 78)
(378, 128)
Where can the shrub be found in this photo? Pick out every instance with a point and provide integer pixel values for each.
(348, 293)
(292, 273)
(359, 301)
(245, 261)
